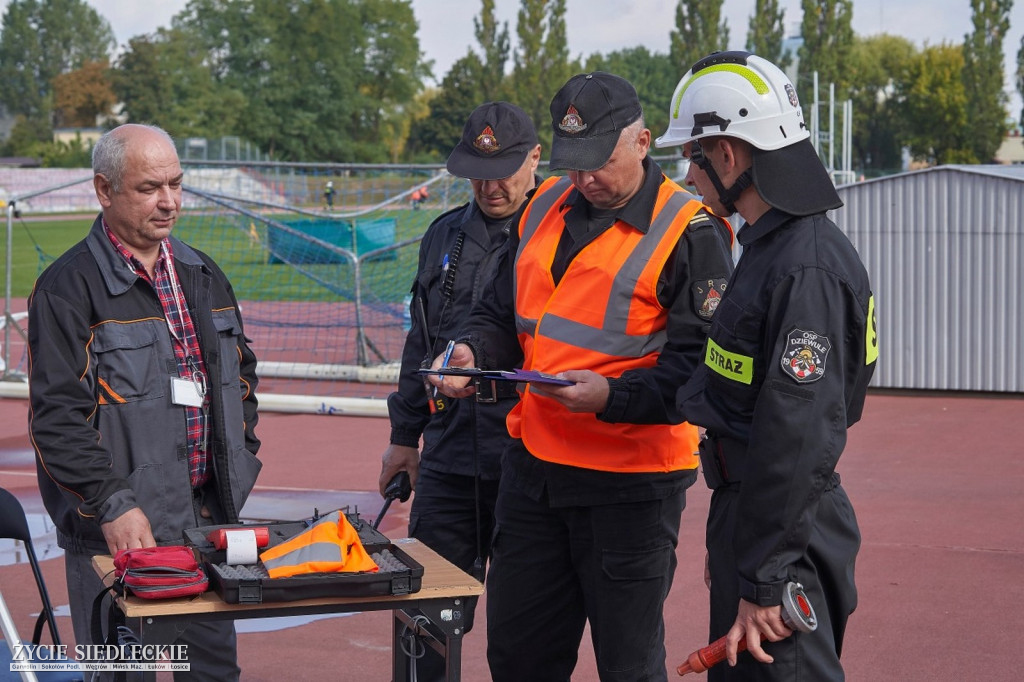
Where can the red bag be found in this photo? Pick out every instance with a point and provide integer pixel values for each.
(160, 572)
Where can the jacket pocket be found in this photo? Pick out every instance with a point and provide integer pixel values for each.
(243, 469)
(229, 332)
(629, 566)
(163, 493)
(738, 321)
(128, 361)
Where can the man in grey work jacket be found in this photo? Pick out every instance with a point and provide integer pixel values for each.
(456, 476)
(786, 368)
(142, 385)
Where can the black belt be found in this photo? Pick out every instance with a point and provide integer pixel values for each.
(491, 391)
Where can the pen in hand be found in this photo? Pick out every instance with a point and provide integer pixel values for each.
(446, 359)
(448, 353)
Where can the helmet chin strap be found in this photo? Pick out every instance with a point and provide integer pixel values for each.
(727, 197)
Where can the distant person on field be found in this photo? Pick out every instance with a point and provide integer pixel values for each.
(142, 386)
(419, 197)
(329, 195)
(456, 475)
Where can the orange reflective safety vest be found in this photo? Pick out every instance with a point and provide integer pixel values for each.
(604, 315)
(331, 545)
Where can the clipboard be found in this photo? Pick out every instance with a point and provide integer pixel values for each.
(517, 375)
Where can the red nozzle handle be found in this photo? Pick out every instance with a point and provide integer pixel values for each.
(797, 614)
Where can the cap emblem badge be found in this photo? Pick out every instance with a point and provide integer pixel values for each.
(486, 141)
(572, 122)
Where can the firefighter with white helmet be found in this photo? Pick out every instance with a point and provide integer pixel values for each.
(790, 352)
(742, 96)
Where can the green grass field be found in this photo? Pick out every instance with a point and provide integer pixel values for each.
(35, 244)
(239, 245)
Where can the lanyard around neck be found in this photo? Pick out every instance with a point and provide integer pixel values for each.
(176, 294)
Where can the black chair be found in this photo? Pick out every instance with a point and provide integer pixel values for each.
(14, 526)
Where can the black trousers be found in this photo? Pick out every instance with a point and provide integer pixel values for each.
(444, 517)
(826, 572)
(553, 569)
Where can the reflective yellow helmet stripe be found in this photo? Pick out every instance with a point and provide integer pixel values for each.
(745, 72)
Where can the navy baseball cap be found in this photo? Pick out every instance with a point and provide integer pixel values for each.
(588, 115)
(495, 141)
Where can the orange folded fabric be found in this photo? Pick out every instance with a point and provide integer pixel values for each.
(331, 545)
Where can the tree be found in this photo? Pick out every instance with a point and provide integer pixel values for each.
(934, 99)
(653, 75)
(22, 89)
(56, 154)
(828, 41)
(471, 81)
(34, 138)
(878, 66)
(983, 76)
(768, 32)
(1020, 77)
(433, 137)
(494, 43)
(322, 80)
(541, 61)
(700, 30)
(26, 136)
(163, 79)
(392, 74)
(292, 64)
(42, 39)
(83, 95)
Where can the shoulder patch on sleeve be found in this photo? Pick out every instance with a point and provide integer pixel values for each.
(804, 358)
(707, 294)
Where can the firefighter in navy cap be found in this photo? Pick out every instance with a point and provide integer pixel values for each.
(455, 472)
(791, 349)
(608, 281)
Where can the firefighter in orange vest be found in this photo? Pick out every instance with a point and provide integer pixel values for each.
(609, 281)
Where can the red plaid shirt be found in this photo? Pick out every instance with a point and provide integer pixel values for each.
(186, 347)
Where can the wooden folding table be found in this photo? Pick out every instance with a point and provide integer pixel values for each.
(435, 611)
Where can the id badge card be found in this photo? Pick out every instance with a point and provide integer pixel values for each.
(185, 392)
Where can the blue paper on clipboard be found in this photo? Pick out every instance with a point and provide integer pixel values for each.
(524, 375)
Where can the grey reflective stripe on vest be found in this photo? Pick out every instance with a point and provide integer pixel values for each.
(612, 338)
(319, 552)
(600, 340)
(539, 208)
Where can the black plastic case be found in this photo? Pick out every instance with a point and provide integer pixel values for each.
(249, 584)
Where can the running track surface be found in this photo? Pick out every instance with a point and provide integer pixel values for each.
(937, 481)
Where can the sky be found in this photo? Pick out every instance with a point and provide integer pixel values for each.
(446, 26)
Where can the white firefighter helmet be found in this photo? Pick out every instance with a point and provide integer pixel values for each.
(736, 94)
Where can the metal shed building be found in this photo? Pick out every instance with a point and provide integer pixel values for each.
(945, 251)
